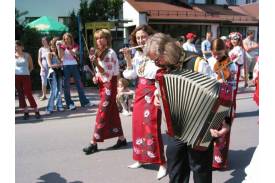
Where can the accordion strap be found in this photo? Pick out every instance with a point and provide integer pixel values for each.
(160, 80)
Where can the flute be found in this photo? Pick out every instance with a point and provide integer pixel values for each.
(131, 48)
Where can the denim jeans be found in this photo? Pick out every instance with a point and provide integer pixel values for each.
(72, 70)
(55, 93)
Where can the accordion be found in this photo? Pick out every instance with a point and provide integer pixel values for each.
(192, 104)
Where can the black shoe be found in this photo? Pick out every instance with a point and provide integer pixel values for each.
(37, 115)
(119, 144)
(92, 148)
(26, 116)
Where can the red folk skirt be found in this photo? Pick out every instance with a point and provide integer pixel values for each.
(146, 127)
(256, 93)
(220, 151)
(108, 124)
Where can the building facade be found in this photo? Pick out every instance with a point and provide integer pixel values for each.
(199, 16)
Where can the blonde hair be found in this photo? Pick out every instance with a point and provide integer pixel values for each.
(106, 34)
(70, 36)
(162, 44)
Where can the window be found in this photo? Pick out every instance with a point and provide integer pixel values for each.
(231, 2)
(210, 1)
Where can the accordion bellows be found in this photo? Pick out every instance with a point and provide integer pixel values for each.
(192, 104)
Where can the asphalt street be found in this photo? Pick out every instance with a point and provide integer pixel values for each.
(49, 150)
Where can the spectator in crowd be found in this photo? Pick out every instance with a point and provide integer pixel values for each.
(251, 48)
(180, 41)
(42, 61)
(124, 97)
(55, 79)
(122, 63)
(23, 67)
(68, 54)
(189, 45)
(206, 46)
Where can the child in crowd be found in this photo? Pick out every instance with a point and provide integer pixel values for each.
(55, 79)
(124, 97)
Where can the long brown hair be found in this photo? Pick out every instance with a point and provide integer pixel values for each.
(146, 28)
(218, 45)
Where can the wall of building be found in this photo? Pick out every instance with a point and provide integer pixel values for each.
(130, 13)
(200, 1)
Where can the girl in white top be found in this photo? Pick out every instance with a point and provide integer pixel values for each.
(68, 55)
(236, 55)
(42, 61)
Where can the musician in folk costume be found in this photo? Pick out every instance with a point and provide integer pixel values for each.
(146, 121)
(181, 158)
(108, 124)
(237, 55)
(225, 71)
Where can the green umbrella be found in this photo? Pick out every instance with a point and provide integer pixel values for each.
(47, 24)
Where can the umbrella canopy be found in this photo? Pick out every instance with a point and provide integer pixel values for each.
(47, 24)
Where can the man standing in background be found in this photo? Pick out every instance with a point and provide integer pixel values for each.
(251, 48)
(206, 46)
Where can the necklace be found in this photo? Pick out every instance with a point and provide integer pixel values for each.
(141, 68)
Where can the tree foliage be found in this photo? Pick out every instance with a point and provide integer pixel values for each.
(95, 10)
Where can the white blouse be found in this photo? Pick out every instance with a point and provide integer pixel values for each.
(237, 55)
(139, 62)
(110, 65)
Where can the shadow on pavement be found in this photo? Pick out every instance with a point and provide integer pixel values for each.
(129, 146)
(67, 114)
(54, 177)
(238, 161)
(247, 114)
(151, 167)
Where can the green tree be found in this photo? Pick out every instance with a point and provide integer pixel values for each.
(73, 28)
(19, 26)
(96, 10)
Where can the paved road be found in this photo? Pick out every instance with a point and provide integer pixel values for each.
(50, 150)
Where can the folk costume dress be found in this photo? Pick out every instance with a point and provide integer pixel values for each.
(256, 81)
(146, 121)
(237, 56)
(108, 124)
(221, 144)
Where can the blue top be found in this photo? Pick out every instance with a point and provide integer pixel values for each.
(22, 65)
(206, 46)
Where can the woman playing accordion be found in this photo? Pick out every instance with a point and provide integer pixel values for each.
(181, 156)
